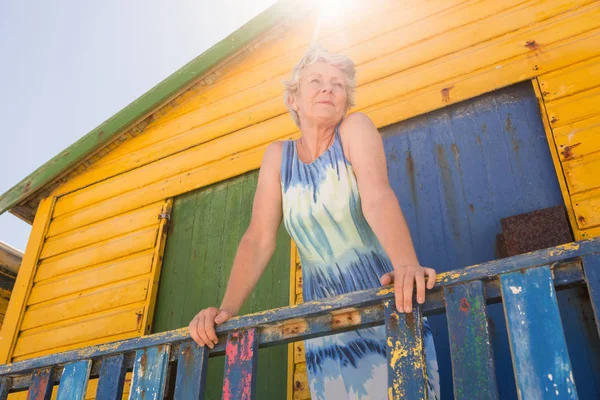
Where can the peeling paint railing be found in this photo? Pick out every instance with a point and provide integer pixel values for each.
(525, 284)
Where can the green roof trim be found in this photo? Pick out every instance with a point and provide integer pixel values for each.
(148, 102)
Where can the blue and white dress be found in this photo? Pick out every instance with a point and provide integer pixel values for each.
(339, 253)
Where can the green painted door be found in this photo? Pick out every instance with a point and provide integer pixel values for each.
(206, 227)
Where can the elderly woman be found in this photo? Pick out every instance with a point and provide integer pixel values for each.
(332, 191)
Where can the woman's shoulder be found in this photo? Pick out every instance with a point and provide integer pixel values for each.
(273, 155)
(357, 120)
(358, 131)
(357, 127)
(275, 149)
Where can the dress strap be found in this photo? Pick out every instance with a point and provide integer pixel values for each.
(288, 158)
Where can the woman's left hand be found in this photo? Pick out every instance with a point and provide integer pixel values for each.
(404, 278)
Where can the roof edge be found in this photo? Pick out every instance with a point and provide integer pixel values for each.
(10, 258)
(149, 101)
(10, 249)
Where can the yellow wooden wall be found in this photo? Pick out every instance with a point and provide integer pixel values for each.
(571, 97)
(412, 57)
(81, 284)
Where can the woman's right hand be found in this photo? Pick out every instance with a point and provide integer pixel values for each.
(202, 327)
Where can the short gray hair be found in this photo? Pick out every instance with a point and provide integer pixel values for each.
(314, 54)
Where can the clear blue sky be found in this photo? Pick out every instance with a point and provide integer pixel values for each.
(67, 66)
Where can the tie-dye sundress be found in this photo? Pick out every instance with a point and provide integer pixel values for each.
(339, 253)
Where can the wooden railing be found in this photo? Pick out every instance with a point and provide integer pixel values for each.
(525, 285)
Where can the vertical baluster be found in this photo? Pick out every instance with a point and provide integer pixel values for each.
(472, 359)
(241, 356)
(591, 268)
(192, 363)
(538, 346)
(406, 359)
(112, 378)
(41, 385)
(4, 387)
(74, 380)
(149, 373)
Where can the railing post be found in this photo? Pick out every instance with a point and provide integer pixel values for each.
(74, 380)
(591, 269)
(41, 385)
(473, 371)
(149, 373)
(537, 340)
(192, 363)
(406, 358)
(112, 378)
(241, 357)
(4, 387)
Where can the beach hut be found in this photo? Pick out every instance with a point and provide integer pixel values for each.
(490, 117)
(10, 261)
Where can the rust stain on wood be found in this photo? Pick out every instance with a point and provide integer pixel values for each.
(294, 328)
(532, 45)
(410, 167)
(512, 132)
(446, 94)
(139, 317)
(464, 305)
(345, 319)
(567, 150)
(448, 188)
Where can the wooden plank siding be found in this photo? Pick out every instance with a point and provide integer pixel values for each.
(408, 63)
(206, 228)
(571, 96)
(101, 238)
(24, 281)
(90, 285)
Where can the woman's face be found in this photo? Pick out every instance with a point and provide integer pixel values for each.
(321, 95)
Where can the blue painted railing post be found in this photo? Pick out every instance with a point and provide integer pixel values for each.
(112, 378)
(150, 373)
(4, 387)
(537, 340)
(473, 369)
(538, 346)
(591, 268)
(74, 380)
(41, 385)
(406, 358)
(241, 358)
(192, 363)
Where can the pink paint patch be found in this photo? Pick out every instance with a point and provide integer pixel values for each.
(240, 354)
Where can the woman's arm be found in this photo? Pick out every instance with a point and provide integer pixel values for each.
(253, 253)
(382, 210)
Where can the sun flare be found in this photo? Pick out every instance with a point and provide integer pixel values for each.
(334, 13)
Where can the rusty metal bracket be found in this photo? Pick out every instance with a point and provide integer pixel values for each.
(164, 215)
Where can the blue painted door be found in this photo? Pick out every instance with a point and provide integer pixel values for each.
(458, 171)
